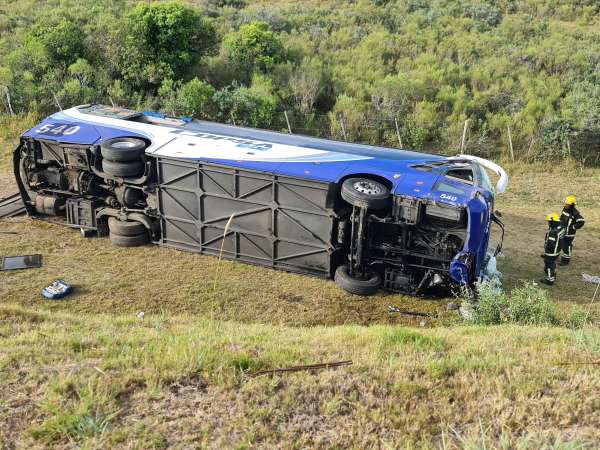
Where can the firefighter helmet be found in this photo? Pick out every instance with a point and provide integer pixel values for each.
(553, 217)
(571, 200)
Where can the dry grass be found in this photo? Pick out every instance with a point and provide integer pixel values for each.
(85, 372)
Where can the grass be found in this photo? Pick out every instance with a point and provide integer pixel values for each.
(102, 380)
(87, 372)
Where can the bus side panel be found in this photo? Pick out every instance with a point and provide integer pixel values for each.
(279, 222)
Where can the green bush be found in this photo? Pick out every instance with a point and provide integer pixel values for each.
(525, 305)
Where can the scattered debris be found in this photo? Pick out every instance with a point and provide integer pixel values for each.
(466, 311)
(395, 309)
(57, 290)
(11, 206)
(422, 324)
(20, 262)
(594, 279)
(141, 315)
(452, 306)
(300, 368)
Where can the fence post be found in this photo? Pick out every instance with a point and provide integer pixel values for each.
(10, 109)
(56, 101)
(464, 136)
(343, 124)
(287, 120)
(398, 132)
(510, 144)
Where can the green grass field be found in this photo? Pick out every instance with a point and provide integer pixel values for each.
(86, 372)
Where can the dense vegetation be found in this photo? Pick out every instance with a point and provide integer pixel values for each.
(342, 68)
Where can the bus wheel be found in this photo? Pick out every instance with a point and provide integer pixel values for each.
(127, 233)
(122, 149)
(358, 286)
(365, 193)
(123, 169)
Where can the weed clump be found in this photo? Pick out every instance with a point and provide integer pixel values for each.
(525, 305)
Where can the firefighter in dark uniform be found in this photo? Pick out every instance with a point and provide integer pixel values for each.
(552, 247)
(571, 221)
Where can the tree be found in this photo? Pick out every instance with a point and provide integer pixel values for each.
(254, 47)
(305, 84)
(195, 99)
(163, 41)
(63, 43)
(245, 106)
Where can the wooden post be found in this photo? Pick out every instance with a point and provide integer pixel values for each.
(10, 109)
(341, 118)
(56, 101)
(287, 120)
(232, 118)
(398, 132)
(510, 144)
(464, 136)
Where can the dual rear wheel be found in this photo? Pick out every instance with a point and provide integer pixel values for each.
(127, 233)
(122, 157)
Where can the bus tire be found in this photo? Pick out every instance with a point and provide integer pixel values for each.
(123, 169)
(365, 193)
(129, 241)
(126, 228)
(356, 286)
(122, 149)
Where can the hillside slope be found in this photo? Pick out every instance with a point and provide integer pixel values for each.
(97, 381)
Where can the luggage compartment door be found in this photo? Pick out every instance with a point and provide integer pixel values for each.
(278, 221)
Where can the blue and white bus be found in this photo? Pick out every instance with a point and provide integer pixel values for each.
(369, 217)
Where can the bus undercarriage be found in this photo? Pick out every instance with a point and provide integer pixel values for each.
(355, 230)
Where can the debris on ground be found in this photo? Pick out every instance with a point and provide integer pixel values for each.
(466, 311)
(20, 262)
(452, 306)
(57, 290)
(594, 279)
(11, 206)
(300, 368)
(395, 309)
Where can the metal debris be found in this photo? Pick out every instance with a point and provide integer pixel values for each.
(11, 206)
(20, 262)
(395, 309)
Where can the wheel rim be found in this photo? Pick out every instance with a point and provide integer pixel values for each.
(367, 187)
(123, 144)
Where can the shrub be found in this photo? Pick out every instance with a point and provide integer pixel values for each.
(525, 305)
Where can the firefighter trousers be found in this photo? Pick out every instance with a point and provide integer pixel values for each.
(550, 268)
(567, 249)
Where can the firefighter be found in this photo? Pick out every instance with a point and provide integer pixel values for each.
(571, 221)
(552, 247)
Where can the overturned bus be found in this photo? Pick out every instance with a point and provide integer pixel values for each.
(369, 217)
